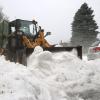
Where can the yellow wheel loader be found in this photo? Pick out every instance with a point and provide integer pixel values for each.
(32, 36)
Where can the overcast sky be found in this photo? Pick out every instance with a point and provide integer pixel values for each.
(53, 15)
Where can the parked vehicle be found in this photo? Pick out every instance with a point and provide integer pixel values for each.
(94, 51)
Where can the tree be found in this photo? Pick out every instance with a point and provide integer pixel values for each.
(3, 28)
(1, 14)
(84, 27)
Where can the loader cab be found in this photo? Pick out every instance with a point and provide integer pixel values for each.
(29, 28)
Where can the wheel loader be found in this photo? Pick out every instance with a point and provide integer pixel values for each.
(33, 35)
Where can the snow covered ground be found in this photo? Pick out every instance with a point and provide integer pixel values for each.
(50, 76)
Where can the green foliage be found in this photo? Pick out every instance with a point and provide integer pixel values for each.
(3, 28)
(84, 27)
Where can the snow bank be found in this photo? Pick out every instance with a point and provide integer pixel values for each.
(50, 76)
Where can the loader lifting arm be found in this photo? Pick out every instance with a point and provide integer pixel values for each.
(39, 41)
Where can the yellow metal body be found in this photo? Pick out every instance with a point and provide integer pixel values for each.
(39, 41)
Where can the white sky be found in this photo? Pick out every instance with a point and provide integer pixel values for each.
(53, 15)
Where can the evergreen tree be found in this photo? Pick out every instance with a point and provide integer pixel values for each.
(84, 27)
(3, 28)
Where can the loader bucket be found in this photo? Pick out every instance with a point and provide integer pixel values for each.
(59, 49)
